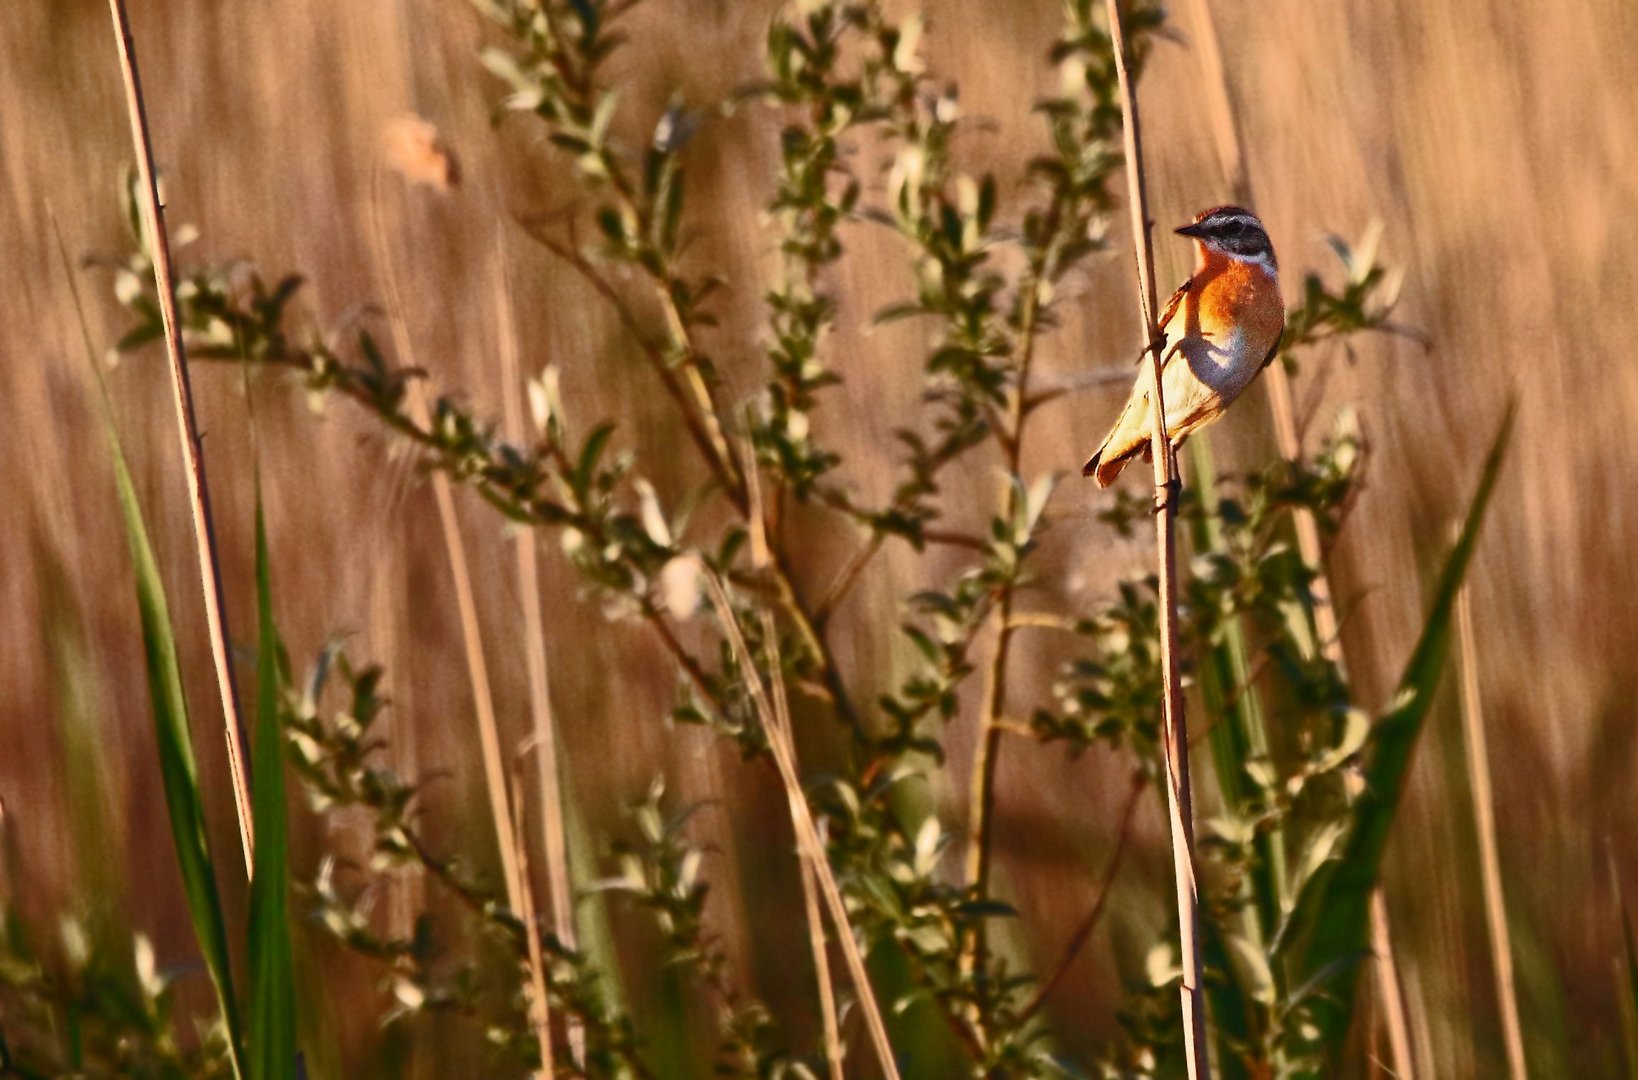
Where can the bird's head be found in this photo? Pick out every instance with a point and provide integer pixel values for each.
(1232, 232)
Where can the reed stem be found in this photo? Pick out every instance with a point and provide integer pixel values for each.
(1175, 740)
(187, 429)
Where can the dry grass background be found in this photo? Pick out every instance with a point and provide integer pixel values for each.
(1495, 141)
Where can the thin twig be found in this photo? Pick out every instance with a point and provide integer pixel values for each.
(1226, 131)
(1179, 801)
(548, 777)
(460, 571)
(204, 532)
(987, 756)
(1083, 932)
(807, 832)
(1484, 815)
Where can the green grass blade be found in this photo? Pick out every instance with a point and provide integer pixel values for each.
(177, 769)
(272, 1032)
(1331, 922)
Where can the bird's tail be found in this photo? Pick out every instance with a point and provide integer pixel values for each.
(1105, 467)
(1125, 441)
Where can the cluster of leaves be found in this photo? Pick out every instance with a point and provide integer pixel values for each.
(83, 1009)
(332, 724)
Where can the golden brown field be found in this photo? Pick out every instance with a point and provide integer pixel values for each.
(1497, 144)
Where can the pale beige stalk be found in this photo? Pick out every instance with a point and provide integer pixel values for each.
(808, 841)
(187, 429)
(1484, 816)
(554, 842)
(832, 1027)
(1179, 800)
(483, 703)
(540, 1009)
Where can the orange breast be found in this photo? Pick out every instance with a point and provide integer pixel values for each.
(1234, 293)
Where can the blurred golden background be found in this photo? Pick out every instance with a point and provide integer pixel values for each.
(1497, 143)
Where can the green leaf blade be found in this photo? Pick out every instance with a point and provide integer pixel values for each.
(178, 771)
(272, 1042)
(1331, 921)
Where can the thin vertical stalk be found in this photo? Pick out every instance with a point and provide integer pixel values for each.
(1484, 816)
(460, 572)
(1388, 986)
(810, 884)
(991, 729)
(1231, 154)
(187, 429)
(1179, 800)
(540, 1007)
(554, 837)
(761, 559)
(808, 841)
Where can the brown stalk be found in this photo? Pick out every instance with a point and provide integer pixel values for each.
(1231, 154)
(554, 842)
(187, 429)
(808, 840)
(1179, 799)
(1484, 815)
(460, 571)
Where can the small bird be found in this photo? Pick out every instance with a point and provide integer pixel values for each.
(1220, 329)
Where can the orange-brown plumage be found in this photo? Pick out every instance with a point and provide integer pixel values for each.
(1221, 328)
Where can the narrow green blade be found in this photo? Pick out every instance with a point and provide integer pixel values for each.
(176, 764)
(1331, 923)
(272, 970)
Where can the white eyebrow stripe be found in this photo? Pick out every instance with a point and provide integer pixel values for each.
(1264, 259)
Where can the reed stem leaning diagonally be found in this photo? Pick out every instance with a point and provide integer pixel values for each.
(809, 843)
(1236, 172)
(1179, 801)
(204, 532)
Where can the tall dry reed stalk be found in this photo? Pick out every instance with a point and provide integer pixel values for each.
(1179, 799)
(830, 1024)
(809, 844)
(460, 571)
(760, 558)
(187, 429)
(543, 737)
(540, 1009)
(1484, 817)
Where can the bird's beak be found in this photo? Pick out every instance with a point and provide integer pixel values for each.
(1194, 230)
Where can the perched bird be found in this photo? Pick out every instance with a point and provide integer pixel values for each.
(1220, 329)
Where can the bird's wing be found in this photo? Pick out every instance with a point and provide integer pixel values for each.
(1171, 309)
(1175, 302)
